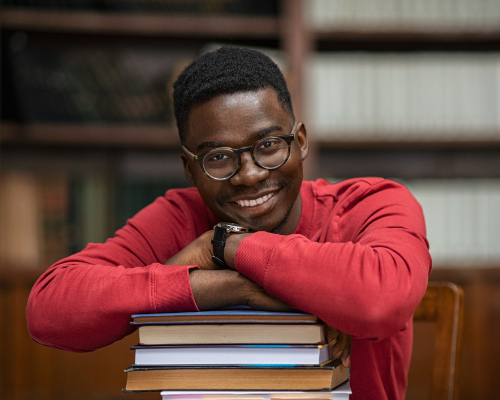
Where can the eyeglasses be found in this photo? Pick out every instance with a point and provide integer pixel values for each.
(224, 162)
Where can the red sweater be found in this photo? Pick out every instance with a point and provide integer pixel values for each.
(359, 260)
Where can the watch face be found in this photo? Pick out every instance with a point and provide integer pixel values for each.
(234, 228)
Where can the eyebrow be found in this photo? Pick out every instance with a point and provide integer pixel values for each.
(257, 135)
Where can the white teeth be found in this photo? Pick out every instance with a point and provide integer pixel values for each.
(252, 203)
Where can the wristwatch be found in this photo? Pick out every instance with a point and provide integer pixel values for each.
(222, 229)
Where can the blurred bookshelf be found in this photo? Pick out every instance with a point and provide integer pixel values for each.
(388, 88)
(85, 95)
(47, 134)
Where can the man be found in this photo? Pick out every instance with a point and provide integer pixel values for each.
(354, 253)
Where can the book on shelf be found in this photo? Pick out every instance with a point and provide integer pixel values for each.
(258, 354)
(184, 7)
(404, 96)
(248, 377)
(19, 215)
(391, 15)
(94, 84)
(239, 325)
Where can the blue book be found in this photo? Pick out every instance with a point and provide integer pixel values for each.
(227, 315)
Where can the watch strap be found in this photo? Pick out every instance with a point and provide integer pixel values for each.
(222, 229)
(218, 243)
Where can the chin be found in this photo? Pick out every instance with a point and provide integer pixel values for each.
(272, 226)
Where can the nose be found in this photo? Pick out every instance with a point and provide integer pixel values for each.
(249, 173)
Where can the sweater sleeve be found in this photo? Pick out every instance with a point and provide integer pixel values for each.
(365, 277)
(85, 301)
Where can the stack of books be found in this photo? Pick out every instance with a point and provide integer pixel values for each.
(234, 353)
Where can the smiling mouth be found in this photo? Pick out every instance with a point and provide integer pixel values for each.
(256, 202)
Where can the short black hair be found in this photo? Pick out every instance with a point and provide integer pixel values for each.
(226, 70)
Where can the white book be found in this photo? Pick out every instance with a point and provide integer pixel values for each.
(341, 392)
(492, 228)
(462, 218)
(282, 355)
(497, 94)
(421, 95)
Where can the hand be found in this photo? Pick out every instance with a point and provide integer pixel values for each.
(213, 289)
(199, 252)
(340, 345)
(257, 298)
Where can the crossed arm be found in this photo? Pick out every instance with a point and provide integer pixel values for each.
(213, 287)
(364, 278)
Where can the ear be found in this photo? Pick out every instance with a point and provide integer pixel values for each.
(302, 139)
(188, 172)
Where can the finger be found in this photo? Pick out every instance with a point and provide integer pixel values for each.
(342, 343)
(346, 358)
(332, 335)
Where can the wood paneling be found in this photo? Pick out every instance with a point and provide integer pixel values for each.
(30, 371)
(480, 358)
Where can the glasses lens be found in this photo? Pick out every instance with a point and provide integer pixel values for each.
(271, 152)
(220, 164)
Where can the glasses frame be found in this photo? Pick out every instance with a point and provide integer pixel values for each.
(199, 158)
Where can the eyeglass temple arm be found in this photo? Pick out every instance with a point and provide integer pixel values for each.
(188, 152)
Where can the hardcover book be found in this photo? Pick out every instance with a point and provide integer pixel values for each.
(232, 334)
(341, 392)
(227, 315)
(229, 325)
(289, 355)
(306, 378)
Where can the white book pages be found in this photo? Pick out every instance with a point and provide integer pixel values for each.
(399, 87)
(231, 355)
(435, 14)
(493, 224)
(452, 115)
(496, 88)
(493, 11)
(422, 96)
(462, 15)
(462, 219)
(315, 15)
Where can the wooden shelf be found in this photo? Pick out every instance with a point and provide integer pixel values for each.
(377, 33)
(12, 274)
(335, 143)
(138, 136)
(115, 23)
(166, 137)
(122, 23)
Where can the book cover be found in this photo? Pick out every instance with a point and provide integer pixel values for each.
(341, 392)
(219, 333)
(236, 314)
(158, 378)
(289, 355)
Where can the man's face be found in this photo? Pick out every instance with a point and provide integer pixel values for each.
(265, 200)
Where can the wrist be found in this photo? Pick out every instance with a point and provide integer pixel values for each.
(232, 244)
(217, 288)
(222, 231)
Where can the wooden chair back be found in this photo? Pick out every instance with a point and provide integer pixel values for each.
(443, 304)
